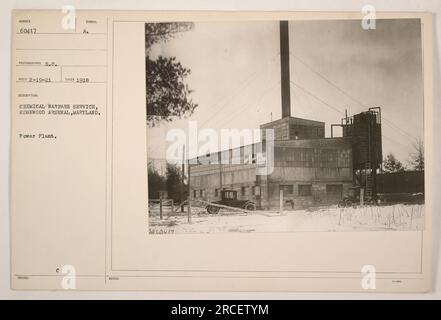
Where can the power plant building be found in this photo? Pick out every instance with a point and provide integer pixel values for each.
(309, 168)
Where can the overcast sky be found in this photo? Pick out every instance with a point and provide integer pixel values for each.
(236, 76)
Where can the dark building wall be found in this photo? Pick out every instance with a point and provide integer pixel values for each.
(401, 182)
(365, 131)
(314, 159)
(318, 193)
(311, 172)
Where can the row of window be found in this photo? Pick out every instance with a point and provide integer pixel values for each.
(198, 192)
(303, 189)
(306, 189)
(242, 155)
(311, 157)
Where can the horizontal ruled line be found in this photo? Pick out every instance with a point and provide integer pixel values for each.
(60, 65)
(60, 49)
(61, 33)
(61, 82)
(221, 276)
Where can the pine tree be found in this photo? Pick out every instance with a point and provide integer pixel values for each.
(173, 182)
(392, 164)
(156, 182)
(167, 93)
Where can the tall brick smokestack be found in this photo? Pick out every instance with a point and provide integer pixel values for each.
(284, 69)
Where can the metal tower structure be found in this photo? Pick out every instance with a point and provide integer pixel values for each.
(364, 130)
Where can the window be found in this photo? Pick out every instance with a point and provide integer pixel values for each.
(236, 156)
(287, 188)
(247, 154)
(201, 193)
(253, 158)
(216, 192)
(334, 189)
(225, 157)
(195, 193)
(230, 195)
(243, 191)
(334, 193)
(256, 190)
(305, 190)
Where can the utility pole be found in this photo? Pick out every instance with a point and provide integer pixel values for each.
(281, 201)
(189, 195)
(182, 178)
(220, 170)
(160, 206)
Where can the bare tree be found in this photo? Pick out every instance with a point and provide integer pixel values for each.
(156, 182)
(417, 157)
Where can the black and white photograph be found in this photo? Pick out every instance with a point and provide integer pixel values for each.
(254, 152)
(284, 126)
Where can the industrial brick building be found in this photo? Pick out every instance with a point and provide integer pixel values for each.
(310, 168)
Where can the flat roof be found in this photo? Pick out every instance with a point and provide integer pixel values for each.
(293, 118)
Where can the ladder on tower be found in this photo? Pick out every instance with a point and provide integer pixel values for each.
(369, 180)
(365, 157)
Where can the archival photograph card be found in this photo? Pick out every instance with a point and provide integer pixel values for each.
(221, 151)
(283, 126)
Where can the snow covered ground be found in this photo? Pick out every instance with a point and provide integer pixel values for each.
(367, 218)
